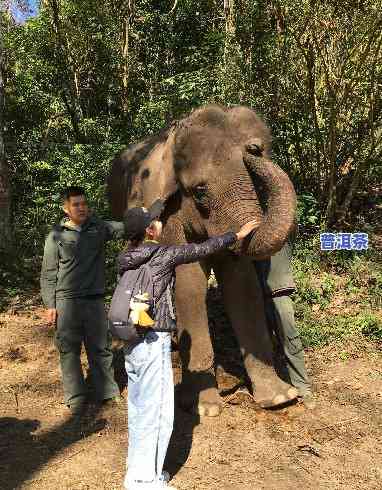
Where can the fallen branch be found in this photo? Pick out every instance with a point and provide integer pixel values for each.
(299, 463)
(173, 7)
(337, 424)
(68, 457)
(309, 449)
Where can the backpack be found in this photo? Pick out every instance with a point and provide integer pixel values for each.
(132, 304)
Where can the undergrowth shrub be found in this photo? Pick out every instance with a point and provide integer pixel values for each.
(338, 294)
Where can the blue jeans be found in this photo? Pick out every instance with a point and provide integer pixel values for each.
(150, 408)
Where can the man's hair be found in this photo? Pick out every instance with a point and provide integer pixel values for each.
(72, 191)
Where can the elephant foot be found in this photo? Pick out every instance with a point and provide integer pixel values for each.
(205, 402)
(207, 409)
(269, 391)
(274, 398)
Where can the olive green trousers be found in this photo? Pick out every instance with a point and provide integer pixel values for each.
(280, 319)
(82, 321)
(276, 278)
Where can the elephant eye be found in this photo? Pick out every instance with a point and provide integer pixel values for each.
(200, 191)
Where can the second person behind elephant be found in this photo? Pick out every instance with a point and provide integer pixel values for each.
(276, 279)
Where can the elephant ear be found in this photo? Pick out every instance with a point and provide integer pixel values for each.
(155, 177)
(116, 187)
(167, 180)
(130, 169)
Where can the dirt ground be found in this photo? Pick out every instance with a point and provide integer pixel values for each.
(336, 445)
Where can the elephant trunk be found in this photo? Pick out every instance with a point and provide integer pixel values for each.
(279, 219)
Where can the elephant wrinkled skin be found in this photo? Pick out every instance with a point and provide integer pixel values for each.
(214, 170)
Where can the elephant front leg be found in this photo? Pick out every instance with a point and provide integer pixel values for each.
(198, 391)
(243, 301)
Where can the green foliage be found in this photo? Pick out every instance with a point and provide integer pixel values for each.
(110, 73)
(371, 327)
(317, 333)
(334, 300)
(113, 72)
(308, 211)
(85, 165)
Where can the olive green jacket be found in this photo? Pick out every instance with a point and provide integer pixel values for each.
(74, 260)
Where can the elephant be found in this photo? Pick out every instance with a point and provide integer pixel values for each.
(214, 171)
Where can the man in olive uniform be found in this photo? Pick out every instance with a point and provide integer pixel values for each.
(72, 288)
(275, 276)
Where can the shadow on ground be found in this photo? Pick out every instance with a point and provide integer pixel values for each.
(24, 453)
(181, 440)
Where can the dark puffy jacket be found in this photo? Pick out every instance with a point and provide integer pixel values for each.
(163, 260)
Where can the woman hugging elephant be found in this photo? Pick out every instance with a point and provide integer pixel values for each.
(214, 170)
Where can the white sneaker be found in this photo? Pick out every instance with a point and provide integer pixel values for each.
(150, 486)
(165, 477)
(160, 485)
(163, 481)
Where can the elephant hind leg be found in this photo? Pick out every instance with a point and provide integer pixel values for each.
(243, 301)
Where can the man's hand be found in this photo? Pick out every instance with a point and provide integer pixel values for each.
(51, 314)
(247, 229)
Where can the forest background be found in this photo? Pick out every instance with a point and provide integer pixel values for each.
(82, 79)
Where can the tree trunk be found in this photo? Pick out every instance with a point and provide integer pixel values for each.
(126, 53)
(319, 147)
(5, 191)
(233, 88)
(125, 67)
(76, 82)
(229, 12)
(332, 155)
(68, 92)
(343, 209)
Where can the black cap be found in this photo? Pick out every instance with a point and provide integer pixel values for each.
(136, 220)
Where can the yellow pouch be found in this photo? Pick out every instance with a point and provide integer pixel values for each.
(145, 320)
